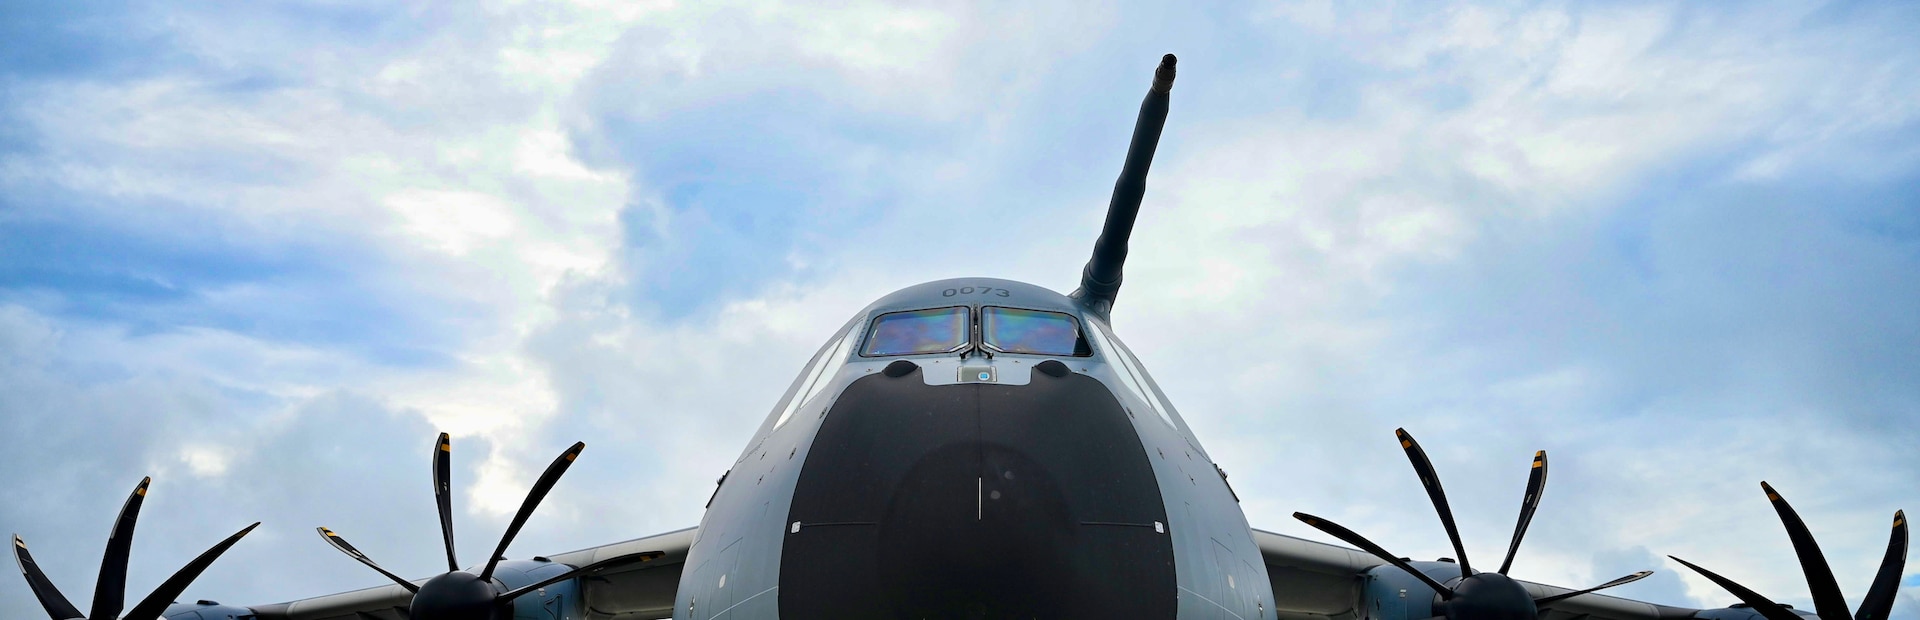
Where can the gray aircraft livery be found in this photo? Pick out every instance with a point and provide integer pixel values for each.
(975, 448)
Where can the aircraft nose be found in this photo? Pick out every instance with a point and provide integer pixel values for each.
(977, 501)
(1009, 552)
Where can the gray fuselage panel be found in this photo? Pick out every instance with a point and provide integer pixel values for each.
(932, 493)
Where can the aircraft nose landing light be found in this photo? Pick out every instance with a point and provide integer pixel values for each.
(1482, 596)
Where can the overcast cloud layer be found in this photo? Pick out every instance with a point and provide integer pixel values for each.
(263, 253)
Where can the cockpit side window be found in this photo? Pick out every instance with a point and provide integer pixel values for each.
(937, 330)
(816, 375)
(1131, 375)
(1033, 332)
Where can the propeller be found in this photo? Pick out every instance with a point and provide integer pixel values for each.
(109, 593)
(1827, 601)
(1476, 596)
(460, 595)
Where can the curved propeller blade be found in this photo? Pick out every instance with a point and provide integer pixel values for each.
(537, 493)
(443, 494)
(150, 607)
(1827, 601)
(1357, 540)
(347, 548)
(613, 562)
(1431, 481)
(1886, 584)
(1536, 484)
(1770, 609)
(110, 592)
(57, 605)
(1542, 602)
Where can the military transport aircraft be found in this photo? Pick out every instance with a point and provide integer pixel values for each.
(976, 448)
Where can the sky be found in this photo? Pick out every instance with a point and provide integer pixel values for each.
(263, 252)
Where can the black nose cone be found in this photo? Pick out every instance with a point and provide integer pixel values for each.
(977, 501)
(1490, 596)
(939, 557)
(458, 595)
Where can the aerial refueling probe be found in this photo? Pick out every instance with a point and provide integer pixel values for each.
(1100, 281)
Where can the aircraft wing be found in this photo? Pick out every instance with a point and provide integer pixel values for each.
(1318, 581)
(641, 591)
(1311, 581)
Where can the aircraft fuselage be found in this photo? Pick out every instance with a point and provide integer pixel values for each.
(953, 484)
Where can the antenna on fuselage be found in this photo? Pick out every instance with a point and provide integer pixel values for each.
(1100, 281)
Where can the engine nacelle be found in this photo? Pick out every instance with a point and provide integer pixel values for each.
(206, 610)
(1389, 593)
(559, 601)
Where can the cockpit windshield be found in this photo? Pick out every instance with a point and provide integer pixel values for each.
(939, 330)
(1012, 330)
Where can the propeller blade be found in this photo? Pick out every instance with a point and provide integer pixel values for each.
(57, 606)
(1431, 481)
(1536, 484)
(1541, 602)
(443, 494)
(1770, 609)
(539, 492)
(613, 562)
(1886, 584)
(347, 548)
(1357, 540)
(110, 592)
(150, 607)
(1827, 601)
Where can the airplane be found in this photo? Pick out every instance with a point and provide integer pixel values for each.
(978, 448)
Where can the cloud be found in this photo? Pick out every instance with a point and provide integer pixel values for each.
(263, 253)
(105, 419)
(751, 127)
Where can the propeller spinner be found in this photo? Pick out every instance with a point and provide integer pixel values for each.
(1827, 601)
(109, 593)
(460, 595)
(1477, 596)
